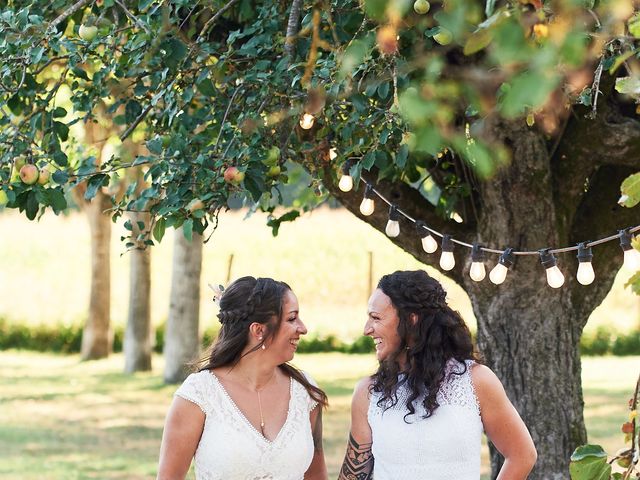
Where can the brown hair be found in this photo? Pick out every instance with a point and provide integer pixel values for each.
(245, 301)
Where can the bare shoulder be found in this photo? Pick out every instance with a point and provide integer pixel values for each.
(486, 383)
(361, 391)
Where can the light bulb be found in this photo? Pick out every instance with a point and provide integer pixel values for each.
(498, 274)
(307, 121)
(429, 244)
(555, 278)
(393, 228)
(447, 261)
(585, 274)
(346, 183)
(477, 271)
(632, 259)
(366, 207)
(631, 255)
(393, 225)
(333, 153)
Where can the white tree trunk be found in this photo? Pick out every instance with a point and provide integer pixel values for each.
(96, 335)
(137, 338)
(182, 342)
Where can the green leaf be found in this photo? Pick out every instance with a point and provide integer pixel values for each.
(175, 52)
(634, 25)
(477, 41)
(354, 56)
(155, 145)
(60, 177)
(132, 110)
(634, 283)
(95, 183)
(57, 200)
(375, 8)
(275, 223)
(62, 131)
(187, 229)
(159, 229)
(32, 205)
(489, 6)
(59, 112)
(630, 191)
(589, 462)
(628, 86)
(528, 90)
(207, 88)
(402, 155)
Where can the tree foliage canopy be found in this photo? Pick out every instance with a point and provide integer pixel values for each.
(221, 84)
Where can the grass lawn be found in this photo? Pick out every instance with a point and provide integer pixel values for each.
(62, 419)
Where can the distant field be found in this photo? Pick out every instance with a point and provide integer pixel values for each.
(66, 420)
(44, 270)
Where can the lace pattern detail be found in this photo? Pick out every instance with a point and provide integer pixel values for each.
(231, 448)
(444, 446)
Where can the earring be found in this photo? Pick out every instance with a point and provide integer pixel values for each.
(263, 347)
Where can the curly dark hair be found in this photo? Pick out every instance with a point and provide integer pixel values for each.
(438, 335)
(245, 301)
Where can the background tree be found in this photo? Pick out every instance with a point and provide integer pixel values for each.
(519, 118)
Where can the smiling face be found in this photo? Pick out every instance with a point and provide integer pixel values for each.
(285, 341)
(382, 325)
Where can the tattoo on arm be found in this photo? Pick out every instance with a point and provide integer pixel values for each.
(317, 431)
(358, 462)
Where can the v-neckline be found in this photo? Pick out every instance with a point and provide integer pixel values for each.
(244, 417)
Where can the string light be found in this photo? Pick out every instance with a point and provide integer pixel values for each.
(585, 274)
(555, 278)
(447, 260)
(346, 181)
(367, 206)
(499, 273)
(477, 271)
(631, 255)
(429, 243)
(307, 121)
(393, 226)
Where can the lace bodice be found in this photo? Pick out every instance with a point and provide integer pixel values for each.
(231, 448)
(445, 446)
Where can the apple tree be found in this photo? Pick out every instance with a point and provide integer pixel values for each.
(518, 118)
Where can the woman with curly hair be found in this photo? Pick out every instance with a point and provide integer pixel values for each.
(247, 413)
(422, 414)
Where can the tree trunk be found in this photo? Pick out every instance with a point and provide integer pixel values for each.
(137, 337)
(96, 335)
(182, 341)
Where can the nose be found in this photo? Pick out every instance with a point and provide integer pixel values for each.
(368, 328)
(302, 329)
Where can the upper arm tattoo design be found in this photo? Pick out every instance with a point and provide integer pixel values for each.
(316, 431)
(358, 462)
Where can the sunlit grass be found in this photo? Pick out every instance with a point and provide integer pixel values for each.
(62, 419)
(323, 256)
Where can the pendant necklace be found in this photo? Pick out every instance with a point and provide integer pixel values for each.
(260, 403)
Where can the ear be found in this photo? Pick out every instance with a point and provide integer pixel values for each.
(413, 318)
(257, 330)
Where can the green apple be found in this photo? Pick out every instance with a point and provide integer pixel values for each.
(29, 174)
(421, 6)
(4, 199)
(88, 33)
(166, 141)
(443, 37)
(274, 171)
(273, 156)
(195, 204)
(19, 162)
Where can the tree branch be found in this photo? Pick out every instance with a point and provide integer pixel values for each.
(67, 13)
(135, 19)
(292, 30)
(213, 19)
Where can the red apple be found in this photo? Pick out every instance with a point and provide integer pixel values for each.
(233, 176)
(43, 177)
(195, 204)
(29, 174)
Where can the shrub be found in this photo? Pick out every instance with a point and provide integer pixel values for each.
(627, 344)
(598, 343)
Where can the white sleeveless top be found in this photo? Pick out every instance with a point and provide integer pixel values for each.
(232, 449)
(445, 446)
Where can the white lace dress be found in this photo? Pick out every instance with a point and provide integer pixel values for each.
(232, 449)
(445, 446)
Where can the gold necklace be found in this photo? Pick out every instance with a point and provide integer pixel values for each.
(260, 403)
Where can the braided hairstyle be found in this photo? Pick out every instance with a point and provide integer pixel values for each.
(438, 335)
(246, 301)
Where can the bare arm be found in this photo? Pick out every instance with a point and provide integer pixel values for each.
(318, 468)
(503, 426)
(182, 431)
(358, 460)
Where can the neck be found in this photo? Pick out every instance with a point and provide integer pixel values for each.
(253, 371)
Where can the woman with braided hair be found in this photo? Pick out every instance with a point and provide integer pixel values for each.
(247, 414)
(421, 415)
